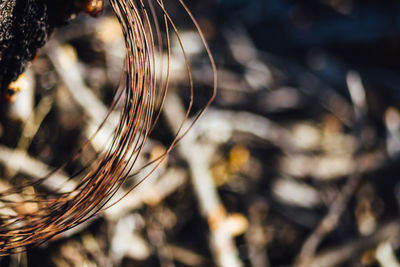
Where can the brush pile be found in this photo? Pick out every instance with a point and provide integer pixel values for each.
(294, 163)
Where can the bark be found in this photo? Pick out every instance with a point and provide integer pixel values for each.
(24, 27)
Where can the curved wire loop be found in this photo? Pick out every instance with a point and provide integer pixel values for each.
(147, 37)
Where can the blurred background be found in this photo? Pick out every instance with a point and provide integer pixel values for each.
(294, 164)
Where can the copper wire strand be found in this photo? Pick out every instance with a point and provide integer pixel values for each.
(143, 96)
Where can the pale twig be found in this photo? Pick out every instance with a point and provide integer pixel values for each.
(92, 246)
(392, 123)
(23, 106)
(339, 255)
(152, 193)
(127, 241)
(258, 75)
(29, 131)
(186, 256)
(357, 91)
(330, 221)
(386, 256)
(156, 235)
(246, 53)
(218, 124)
(66, 63)
(167, 183)
(198, 158)
(256, 237)
(59, 182)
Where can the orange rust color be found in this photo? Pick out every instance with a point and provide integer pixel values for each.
(15, 87)
(216, 218)
(90, 7)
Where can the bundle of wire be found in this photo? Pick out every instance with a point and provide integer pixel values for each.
(141, 94)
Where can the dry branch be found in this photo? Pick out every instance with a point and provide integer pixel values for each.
(338, 255)
(198, 157)
(338, 206)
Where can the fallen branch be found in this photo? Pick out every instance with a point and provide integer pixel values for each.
(339, 255)
(330, 221)
(198, 158)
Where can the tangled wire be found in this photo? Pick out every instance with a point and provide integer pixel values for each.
(31, 217)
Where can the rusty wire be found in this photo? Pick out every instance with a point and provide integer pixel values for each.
(28, 218)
